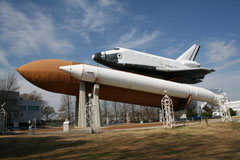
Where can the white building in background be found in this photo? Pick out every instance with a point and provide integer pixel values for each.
(29, 110)
(12, 100)
(235, 105)
(198, 105)
(19, 111)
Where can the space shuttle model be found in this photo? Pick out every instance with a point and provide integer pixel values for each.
(184, 69)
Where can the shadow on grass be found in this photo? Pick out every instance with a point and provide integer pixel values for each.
(26, 146)
(235, 126)
(98, 155)
(11, 133)
(184, 144)
(219, 141)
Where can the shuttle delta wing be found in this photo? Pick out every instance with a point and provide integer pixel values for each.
(191, 76)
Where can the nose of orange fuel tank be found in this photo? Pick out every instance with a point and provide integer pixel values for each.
(46, 75)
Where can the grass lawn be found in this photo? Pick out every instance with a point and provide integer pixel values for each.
(216, 141)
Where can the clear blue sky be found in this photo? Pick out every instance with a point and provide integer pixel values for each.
(75, 29)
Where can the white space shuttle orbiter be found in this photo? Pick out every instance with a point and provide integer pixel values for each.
(184, 69)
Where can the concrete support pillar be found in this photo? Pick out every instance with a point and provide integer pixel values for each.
(96, 105)
(82, 106)
(76, 111)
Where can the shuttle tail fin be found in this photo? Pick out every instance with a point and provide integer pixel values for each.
(190, 54)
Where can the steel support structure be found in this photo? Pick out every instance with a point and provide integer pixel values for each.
(224, 110)
(167, 112)
(225, 113)
(88, 113)
(96, 109)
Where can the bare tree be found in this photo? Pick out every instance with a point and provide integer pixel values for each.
(104, 113)
(142, 112)
(66, 108)
(147, 112)
(115, 110)
(133, 111)
(9, 83)
(123, 110)
(138, 112)
(104, 108)
(48, 112)
(34, 96)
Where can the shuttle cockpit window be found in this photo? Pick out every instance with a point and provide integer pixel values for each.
(116, 48)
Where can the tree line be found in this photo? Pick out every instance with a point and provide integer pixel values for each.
(119, 112)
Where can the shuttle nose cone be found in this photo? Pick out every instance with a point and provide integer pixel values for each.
(97, 57)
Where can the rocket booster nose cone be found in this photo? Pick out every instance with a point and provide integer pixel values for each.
(73, 70)
(66, 69)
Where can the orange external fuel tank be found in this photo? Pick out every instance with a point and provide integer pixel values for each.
(46, 75)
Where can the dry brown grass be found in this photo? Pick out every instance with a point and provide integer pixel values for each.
(217, 141)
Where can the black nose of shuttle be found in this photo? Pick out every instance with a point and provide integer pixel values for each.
(96, 56)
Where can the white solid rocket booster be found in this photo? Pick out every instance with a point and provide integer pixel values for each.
(133, 81)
